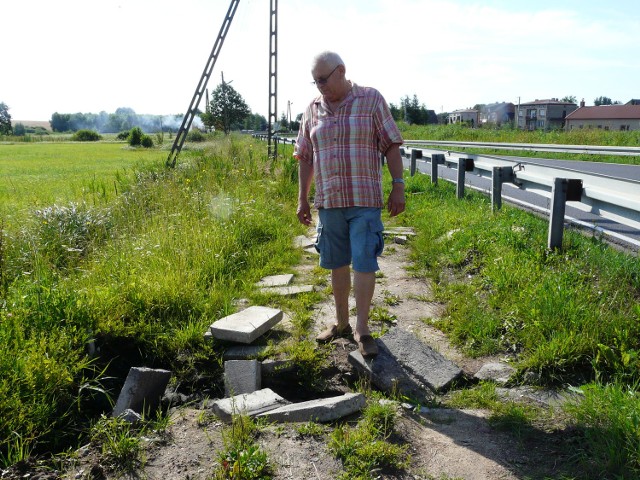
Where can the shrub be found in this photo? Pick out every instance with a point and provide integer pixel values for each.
(195, 136)
(146, 141)
(123, 135)
(86, 136)
(135, 136)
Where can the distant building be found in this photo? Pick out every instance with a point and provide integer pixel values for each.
(497, 113)
(607, 117)
(468, 116)
(544, 114)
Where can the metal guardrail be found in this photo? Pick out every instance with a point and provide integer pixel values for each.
(534, 147)
(612, 198)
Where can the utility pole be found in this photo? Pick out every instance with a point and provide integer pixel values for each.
(273, 77)
(197, 96)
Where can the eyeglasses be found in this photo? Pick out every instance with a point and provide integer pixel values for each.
(324, 80)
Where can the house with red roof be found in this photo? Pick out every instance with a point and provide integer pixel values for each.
(607, 117)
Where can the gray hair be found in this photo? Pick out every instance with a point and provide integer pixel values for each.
(332, 59)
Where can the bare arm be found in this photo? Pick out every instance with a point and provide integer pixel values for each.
(396, 201)
(305, 177)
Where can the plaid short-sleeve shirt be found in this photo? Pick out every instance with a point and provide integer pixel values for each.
(344, 148)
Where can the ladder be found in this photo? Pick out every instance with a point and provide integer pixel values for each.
(200, 89)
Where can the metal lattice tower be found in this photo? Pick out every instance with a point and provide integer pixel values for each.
(202, 84)
(273, 77)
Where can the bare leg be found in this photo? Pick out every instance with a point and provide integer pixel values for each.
(341, 284)
(364, 285)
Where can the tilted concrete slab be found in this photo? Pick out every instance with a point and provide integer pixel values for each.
(250, 404)
(242, 376)
(142, 390)
(247, 325)
(322, 410)
(276, 280)
(406, 365)
(302, 241)
(289, 291)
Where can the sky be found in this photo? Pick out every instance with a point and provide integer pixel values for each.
(70, 56)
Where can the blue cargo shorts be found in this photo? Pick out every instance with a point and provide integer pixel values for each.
(350, 235)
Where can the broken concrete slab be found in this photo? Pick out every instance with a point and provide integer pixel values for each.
(391, 231)
(288, 291)
(276, 280)
(406, 365)
(302, 241)
(250, 404)
(496, 371)
(242, 376)
(543, 397)
(130, 416)
(321, 410)
(244, 352)
(142, 390)
(247, 325)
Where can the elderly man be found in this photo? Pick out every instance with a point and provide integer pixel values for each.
(342, 133)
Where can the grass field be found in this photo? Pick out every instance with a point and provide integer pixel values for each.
(40, 174)
(134, 260)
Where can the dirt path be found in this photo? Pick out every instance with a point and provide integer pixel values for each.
(445, 443)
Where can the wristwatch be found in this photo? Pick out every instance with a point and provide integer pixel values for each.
(398, 180)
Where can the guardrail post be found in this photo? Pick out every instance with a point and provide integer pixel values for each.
(415, 154)
(462, 168)
(556, 215)
(499, 175)
(436, 159)
(563, 190)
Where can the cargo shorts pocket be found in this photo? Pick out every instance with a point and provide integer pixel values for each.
(375, 239)
(321, 245)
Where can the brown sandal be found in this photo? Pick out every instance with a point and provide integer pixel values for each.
(332, 332)
(367, 346)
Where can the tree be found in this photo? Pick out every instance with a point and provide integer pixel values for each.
(227, 109)
(60, 122)
(5, 119)
(569, 99)
(255, 121)
(602, 101)
(19, 130)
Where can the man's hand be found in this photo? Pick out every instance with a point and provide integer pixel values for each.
(304, 213)
(396, 202)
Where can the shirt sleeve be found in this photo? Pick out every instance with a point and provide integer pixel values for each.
(303, 150)
(388, 132)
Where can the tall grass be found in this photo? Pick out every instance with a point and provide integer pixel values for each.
(563, 317)
(506, 134)
(138, 279)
